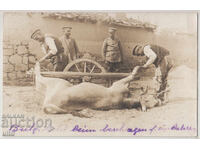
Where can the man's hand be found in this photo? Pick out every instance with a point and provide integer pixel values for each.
(144, 66)
(135, 70)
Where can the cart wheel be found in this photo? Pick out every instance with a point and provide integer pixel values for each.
(84, 66)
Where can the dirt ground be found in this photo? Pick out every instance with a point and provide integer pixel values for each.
(176, 118)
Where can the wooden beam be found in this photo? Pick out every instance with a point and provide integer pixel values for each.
(65, 75)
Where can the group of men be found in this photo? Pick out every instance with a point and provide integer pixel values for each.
(62, 51)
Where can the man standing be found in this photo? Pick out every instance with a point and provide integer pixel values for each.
(69, 44)
(158, 56)
(112, 51)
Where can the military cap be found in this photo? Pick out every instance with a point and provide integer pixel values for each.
(111, 29)
(66, 27)
(135, 49)
(35, 33)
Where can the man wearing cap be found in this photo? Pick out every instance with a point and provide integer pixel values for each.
(69, 44)
(112, 51)
(158, 56)
(53, 49)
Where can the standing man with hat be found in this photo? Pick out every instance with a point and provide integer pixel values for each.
(53, 49)
(158, 56)
(69, 44)
(112, 51)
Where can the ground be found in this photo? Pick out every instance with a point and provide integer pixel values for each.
(176, 118)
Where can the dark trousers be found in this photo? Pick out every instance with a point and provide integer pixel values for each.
(112, 66)
(59, 62)
(59, 66)
(161, 75)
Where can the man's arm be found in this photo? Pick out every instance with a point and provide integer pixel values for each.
(45, 57)
(130, 78)
(150, 54)
(52, 48)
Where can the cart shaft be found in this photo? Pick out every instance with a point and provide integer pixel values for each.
(66, 75)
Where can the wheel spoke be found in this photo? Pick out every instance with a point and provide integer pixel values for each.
(88, 69)
(92, 69)
(85, 65)
(77, 68)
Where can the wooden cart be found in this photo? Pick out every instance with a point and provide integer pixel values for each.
(82, 69)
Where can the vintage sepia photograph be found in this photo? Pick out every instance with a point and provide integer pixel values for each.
(99, 74)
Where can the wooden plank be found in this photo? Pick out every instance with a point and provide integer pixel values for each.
(65, 75)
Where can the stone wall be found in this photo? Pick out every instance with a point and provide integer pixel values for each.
(17, 59)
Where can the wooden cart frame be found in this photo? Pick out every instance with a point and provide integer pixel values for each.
(85, 70)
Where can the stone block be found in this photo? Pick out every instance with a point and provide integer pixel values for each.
(16, 42)
(21, 67)
(15, 59)
(8, 68)
(22, 50)
(10, 46)
(25, 60)
(21, 74)
(25, 43)
(7, 45)
(15, 47)
(5, 76)
(8, 51)
(5, 59)
(12, 76)
(31, 66)
(32, 59)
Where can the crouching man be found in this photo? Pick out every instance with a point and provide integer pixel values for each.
(158, 56)
(52, 49)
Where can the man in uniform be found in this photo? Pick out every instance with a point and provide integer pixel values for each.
(158, 56)
(69, 44)
(53, 49)
(112, 51)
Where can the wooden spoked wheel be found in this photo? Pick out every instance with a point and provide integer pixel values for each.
(84, 66)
